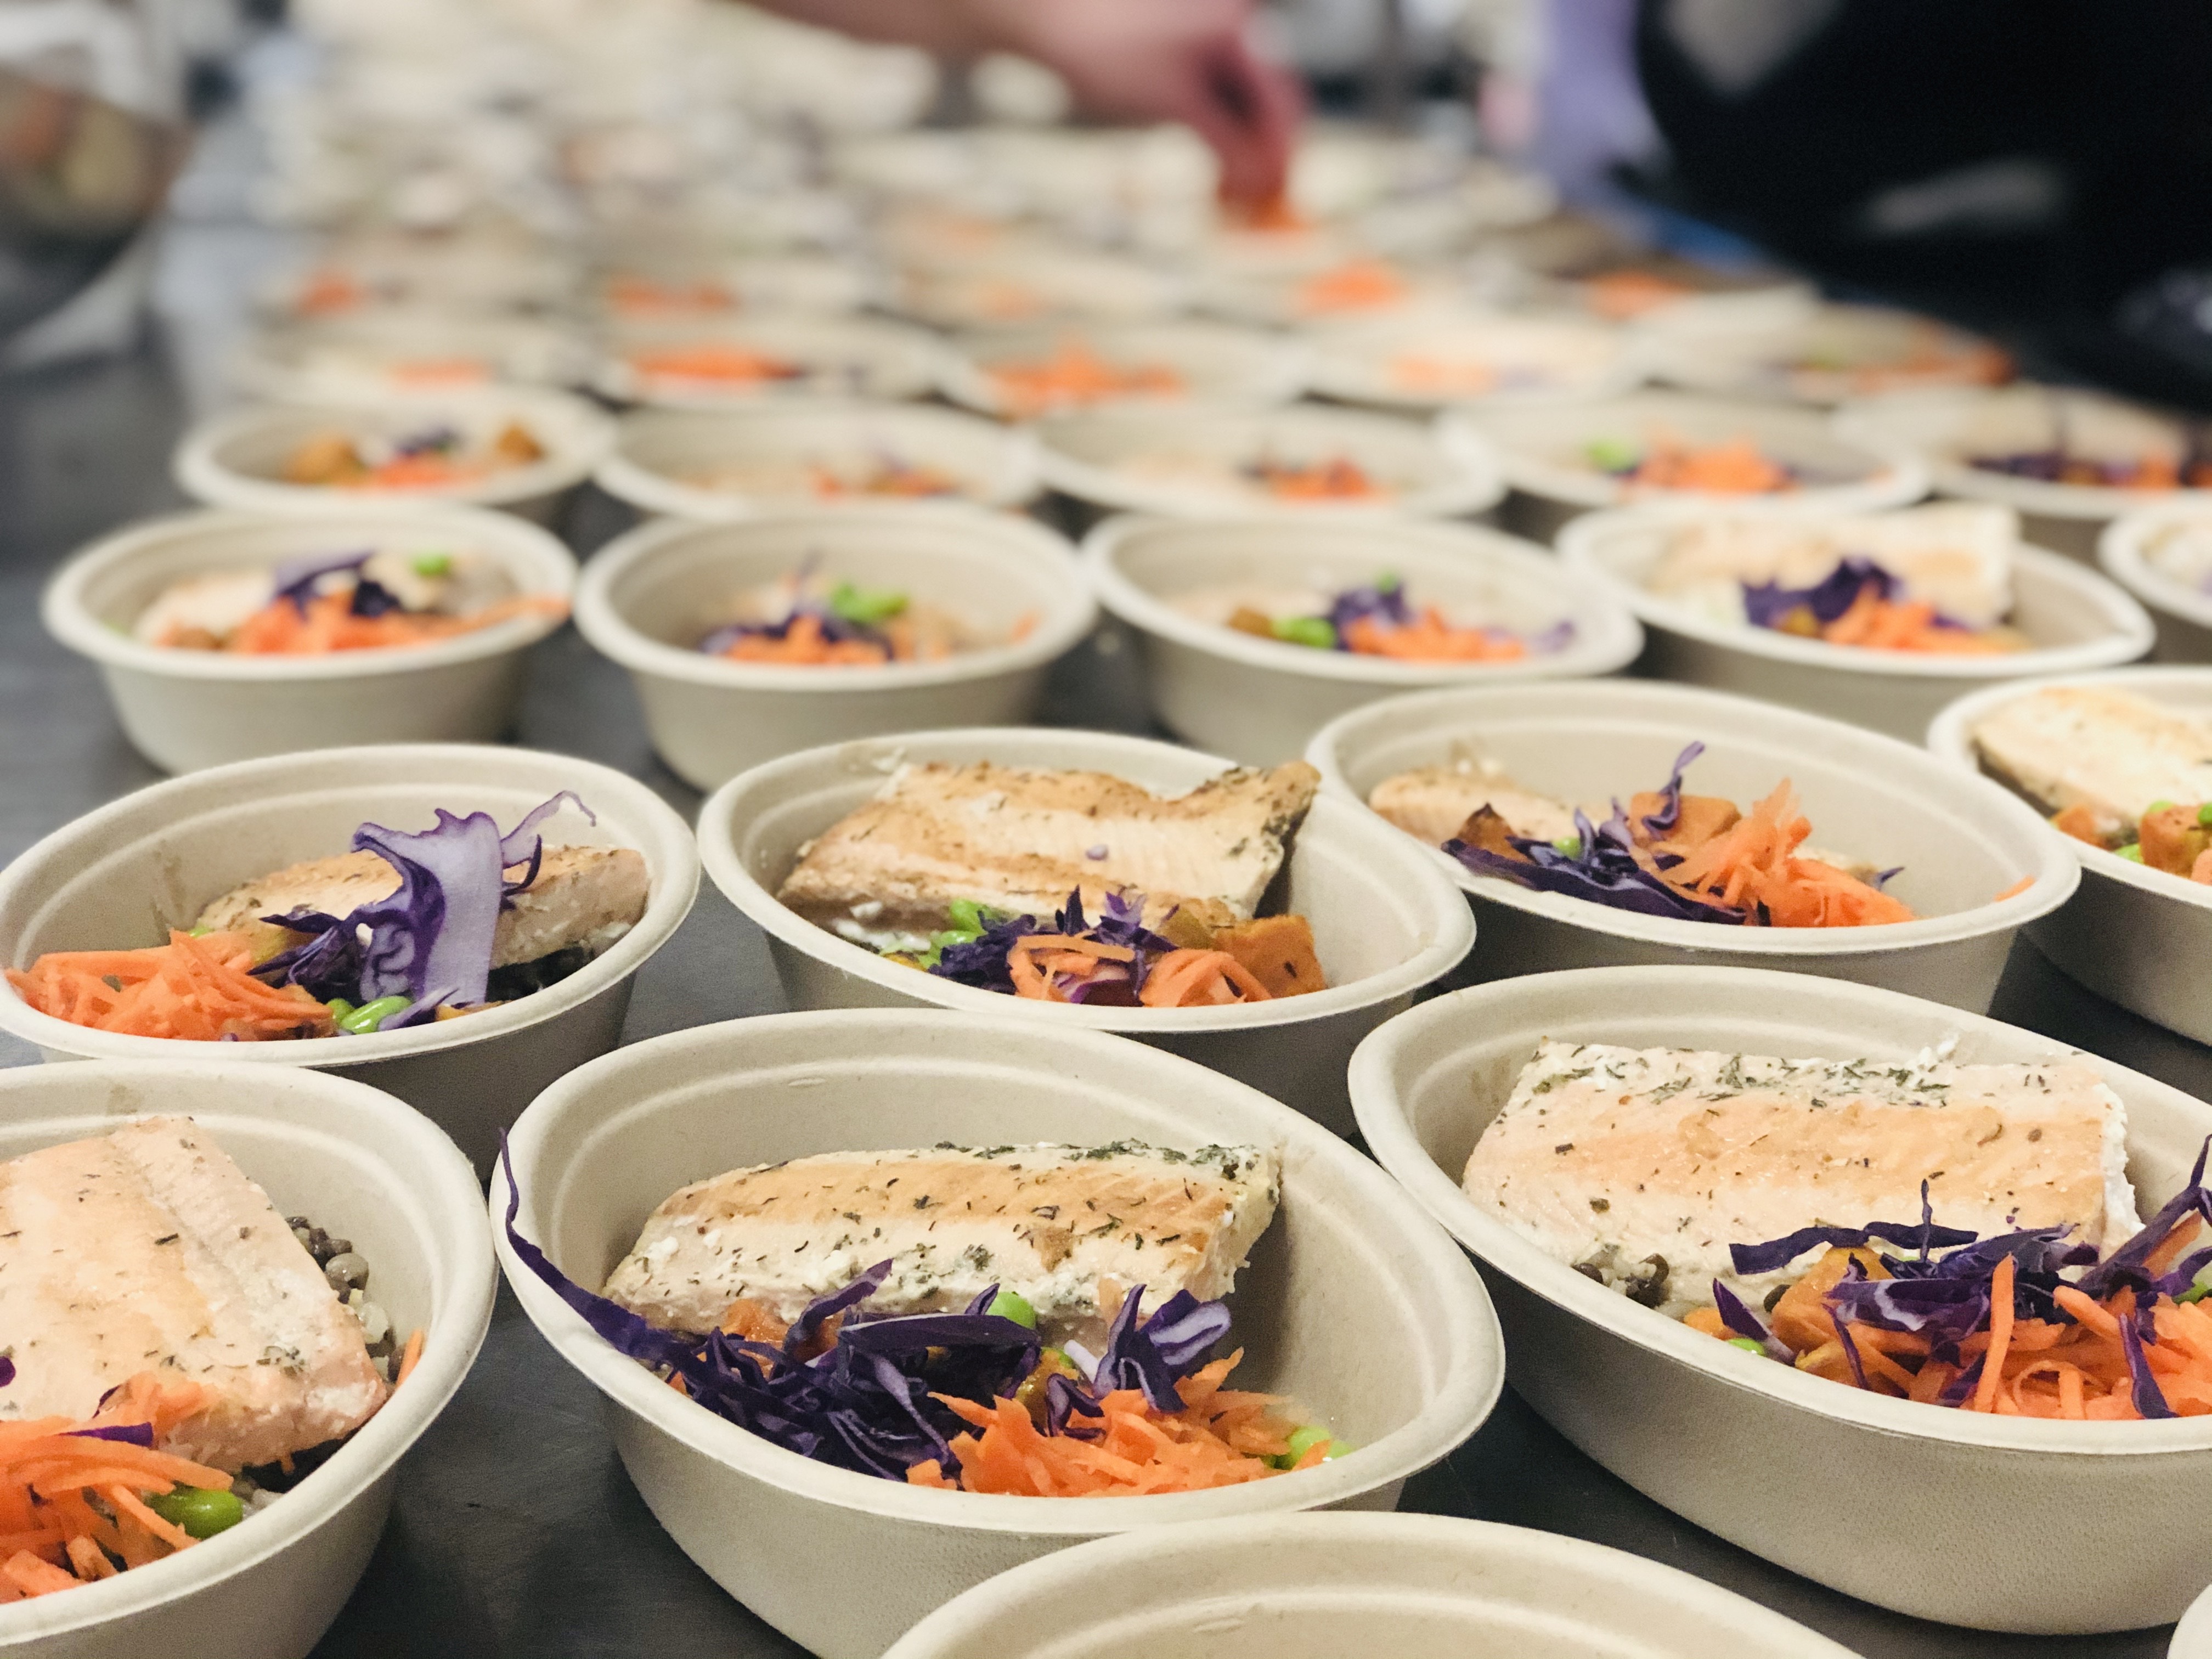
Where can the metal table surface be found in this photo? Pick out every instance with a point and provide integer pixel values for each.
(516, 1532)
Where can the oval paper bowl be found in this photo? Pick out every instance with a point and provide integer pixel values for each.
(1386, 921)
(1211, 363)
(1354, 1304)
(2181, 611)
(1089, 457)
(185, 709)
(1828, 354)
(2192, 1637)
(1261, 700)
(1943, 429)
(647, 599)
(1324, 1585)
(1499, 358)
(1999, 1522)
(2129, 930)
(119, 878)
(836, 357)
(369, 354)
(1544, 455)
(2074, 619)
(664, 458)
(238, 460)
(363, 1165)
(1959, 841)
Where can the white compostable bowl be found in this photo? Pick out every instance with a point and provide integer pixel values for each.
(1826, 356)
(120, 876)
(2131, 932)
(1261, 700)
(1212, 362)
(402, 351)
(836, 357)
(2180, 609)
(647, 599)
(2192, 1637)
(1960, 841)
(1186, 460)
(185, 709)
(362, 1164)
(2074, 620)
(1497, 358)
(2000, 1523)
(1322, 1586)
(1386, 921)
(1354, 1304)
(665, 459)
(1544, 455)
(1944, 430)
(238, 460)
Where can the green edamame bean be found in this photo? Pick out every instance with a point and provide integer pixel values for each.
(202, 1512)
(1007, 1305)
(370, 1015)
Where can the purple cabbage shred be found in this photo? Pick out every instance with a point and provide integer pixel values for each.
(982, 962)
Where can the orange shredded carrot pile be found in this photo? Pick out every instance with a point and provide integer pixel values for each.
(642, 296)
(1430, 638)
(439, 371)
(1880, 624)
(1622, 294)
(1221, 1437)
(1753, 861)
(326, 292)
(1738, 467)
(335, 460)
(714, 361)
(328, 623)
(1931, 360)
(804, 643)
(196, 989)
(1074, 374)
(901, 479)
(1463, 376)
(1356, 285)
(1339, 479)
(72, 1508)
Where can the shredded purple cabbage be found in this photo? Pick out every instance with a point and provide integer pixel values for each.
(128, 1434)
(1382, 601)
(1770, 604)
(1738, 1318)
(295, 578)
(982, 962)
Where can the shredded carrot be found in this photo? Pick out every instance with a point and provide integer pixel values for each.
(327, 623)
(1464, 376)
(1878, 625)
(1075, 374)
(1738, 467)
(714, 361)
(2001, 1288)
(805, 644)
(1200, 978)
(1356, 285)
(890, 478)
(1430, 638)
(1339, 479)
(409, 1356)
(1622, 294)
(194, 988)
(641, 296)
(1755, 862)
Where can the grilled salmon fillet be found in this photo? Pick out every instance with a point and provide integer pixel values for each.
(1611, 1156)
(2109, 751)
(148, 1249)
(1073, 1229)
(1022, 841)
(582, 896)
(1432, 802)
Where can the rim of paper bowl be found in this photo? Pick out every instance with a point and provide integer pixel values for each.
(2121, 556)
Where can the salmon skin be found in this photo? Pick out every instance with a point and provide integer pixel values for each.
(1607, 1158)
(1022, 841)
(1071, 1229)
(148, 1250)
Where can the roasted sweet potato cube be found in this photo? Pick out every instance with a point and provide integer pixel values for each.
(1279, 953)
(2171, 839)
(2080, 823)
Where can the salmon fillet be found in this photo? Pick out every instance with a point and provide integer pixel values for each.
(582, 896)
(1022, 841)
(2109, 751)
(1609, 1155)
(1432, 802)
(148, 1249)
(1071, 1229)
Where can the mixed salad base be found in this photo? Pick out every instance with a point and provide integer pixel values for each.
(807, 620)
(435, 457)
(1379, 620)
(1075, 374)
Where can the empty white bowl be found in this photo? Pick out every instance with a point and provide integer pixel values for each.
(2181, 609)
(832, 357)
(2074, 620)
(1261, 700)
(1323, 1586)
(405, 351)
(1354, 1304)
(1473, 356)
(359, 1164)
(239, 459)
(1960, 841)
(714, 465)
(2129, 932)
(1210, 363)
(1825, 354)
(120, 876)
(1386, 920)
(185, 709)
(1185, 462)
(646, 600)
(1999, 1522)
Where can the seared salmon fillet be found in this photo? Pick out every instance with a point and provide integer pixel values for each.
(1022, 841)
(2109, 751)
(1073, 1229)
(1610, 1155)
(1432, 802)
(582, 896)
(148, 1249)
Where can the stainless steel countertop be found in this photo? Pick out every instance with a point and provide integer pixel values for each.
(515, 1531)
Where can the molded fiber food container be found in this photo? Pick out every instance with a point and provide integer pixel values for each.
(1355, 1304)
(238, 460)
(1323, 1586)
(1261, 699)
(1998, 1522)
(647, 599)
(2181, 611)
(1944, 430)
(362, 1164)
(184, 709)
(1185, 462)
(2074, 619)
(2131, 932)
(1210, 363)
(665, 460)
(1386, 920)
(405, 351)
(119, 877)
(2192, 1637)
(1545, 455)
(1960, 841)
